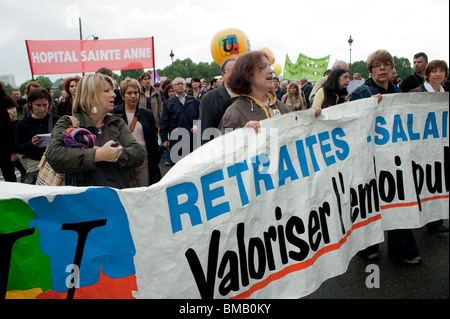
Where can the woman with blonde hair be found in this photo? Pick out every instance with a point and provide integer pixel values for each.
(115, 153)
(294, 98)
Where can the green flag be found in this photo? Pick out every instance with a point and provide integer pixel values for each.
(291, 70)
(313, 69)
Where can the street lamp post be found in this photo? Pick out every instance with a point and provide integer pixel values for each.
(350, 41)
(171, 57)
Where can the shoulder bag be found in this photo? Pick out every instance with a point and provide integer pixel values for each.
(47, 176)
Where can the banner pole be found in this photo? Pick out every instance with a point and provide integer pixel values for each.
(153, 60)
(29, 60)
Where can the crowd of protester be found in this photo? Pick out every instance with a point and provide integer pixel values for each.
(127, 128)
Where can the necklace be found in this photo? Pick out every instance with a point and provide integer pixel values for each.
(100, 130)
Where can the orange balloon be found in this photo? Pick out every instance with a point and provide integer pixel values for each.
(270, 54)
(229, 43)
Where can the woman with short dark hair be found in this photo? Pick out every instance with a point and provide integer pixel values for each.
(435, 74)
(28, 130)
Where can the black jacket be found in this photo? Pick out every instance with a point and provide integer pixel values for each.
(176, 115)
(147, 120)
(8, 121)
(411, 82)
(212, 107)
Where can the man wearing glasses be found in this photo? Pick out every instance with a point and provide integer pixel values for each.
(177, 121)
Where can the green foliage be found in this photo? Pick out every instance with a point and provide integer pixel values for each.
(188, 69)
(43, 81)
(182, 68)
(403, 67)
(8, 88)
(134, 74)
(361, 68)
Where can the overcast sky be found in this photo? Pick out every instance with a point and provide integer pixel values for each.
(315, 28)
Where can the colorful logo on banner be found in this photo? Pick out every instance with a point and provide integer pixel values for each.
(68, 247)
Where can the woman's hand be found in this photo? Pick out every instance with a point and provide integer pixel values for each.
(378, 96)
(255, 125)
(318, 111)
(14, 157)
(36, 141)
(108, 152)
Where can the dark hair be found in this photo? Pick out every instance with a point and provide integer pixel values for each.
(105, 71)
(332, 83)
(195, 79)
(246, 65)
(212, 81)
(39, 93)
(166, 83)
(2, 90)
(167, 89)
(421, 54)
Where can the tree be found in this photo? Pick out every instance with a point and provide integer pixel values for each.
(361, 68)
(8, 88)
(403, 67)
(44, 81)
(134, 74)
(188, 69)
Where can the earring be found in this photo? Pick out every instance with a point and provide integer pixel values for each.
(94, 110)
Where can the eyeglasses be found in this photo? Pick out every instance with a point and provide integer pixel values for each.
(379, 65)
(265, 67)
(179, 83)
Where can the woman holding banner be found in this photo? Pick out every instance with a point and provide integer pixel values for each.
(115, 153)
(435, 74)
(253, 97)
(401, 242)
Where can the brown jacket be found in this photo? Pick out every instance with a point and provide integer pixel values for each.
(246, 108)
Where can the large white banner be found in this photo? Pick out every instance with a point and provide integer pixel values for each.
(268, 215)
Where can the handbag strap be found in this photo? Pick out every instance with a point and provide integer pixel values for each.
(75, 121)
(133, 123)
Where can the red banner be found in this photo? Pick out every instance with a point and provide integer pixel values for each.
(78, 56)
